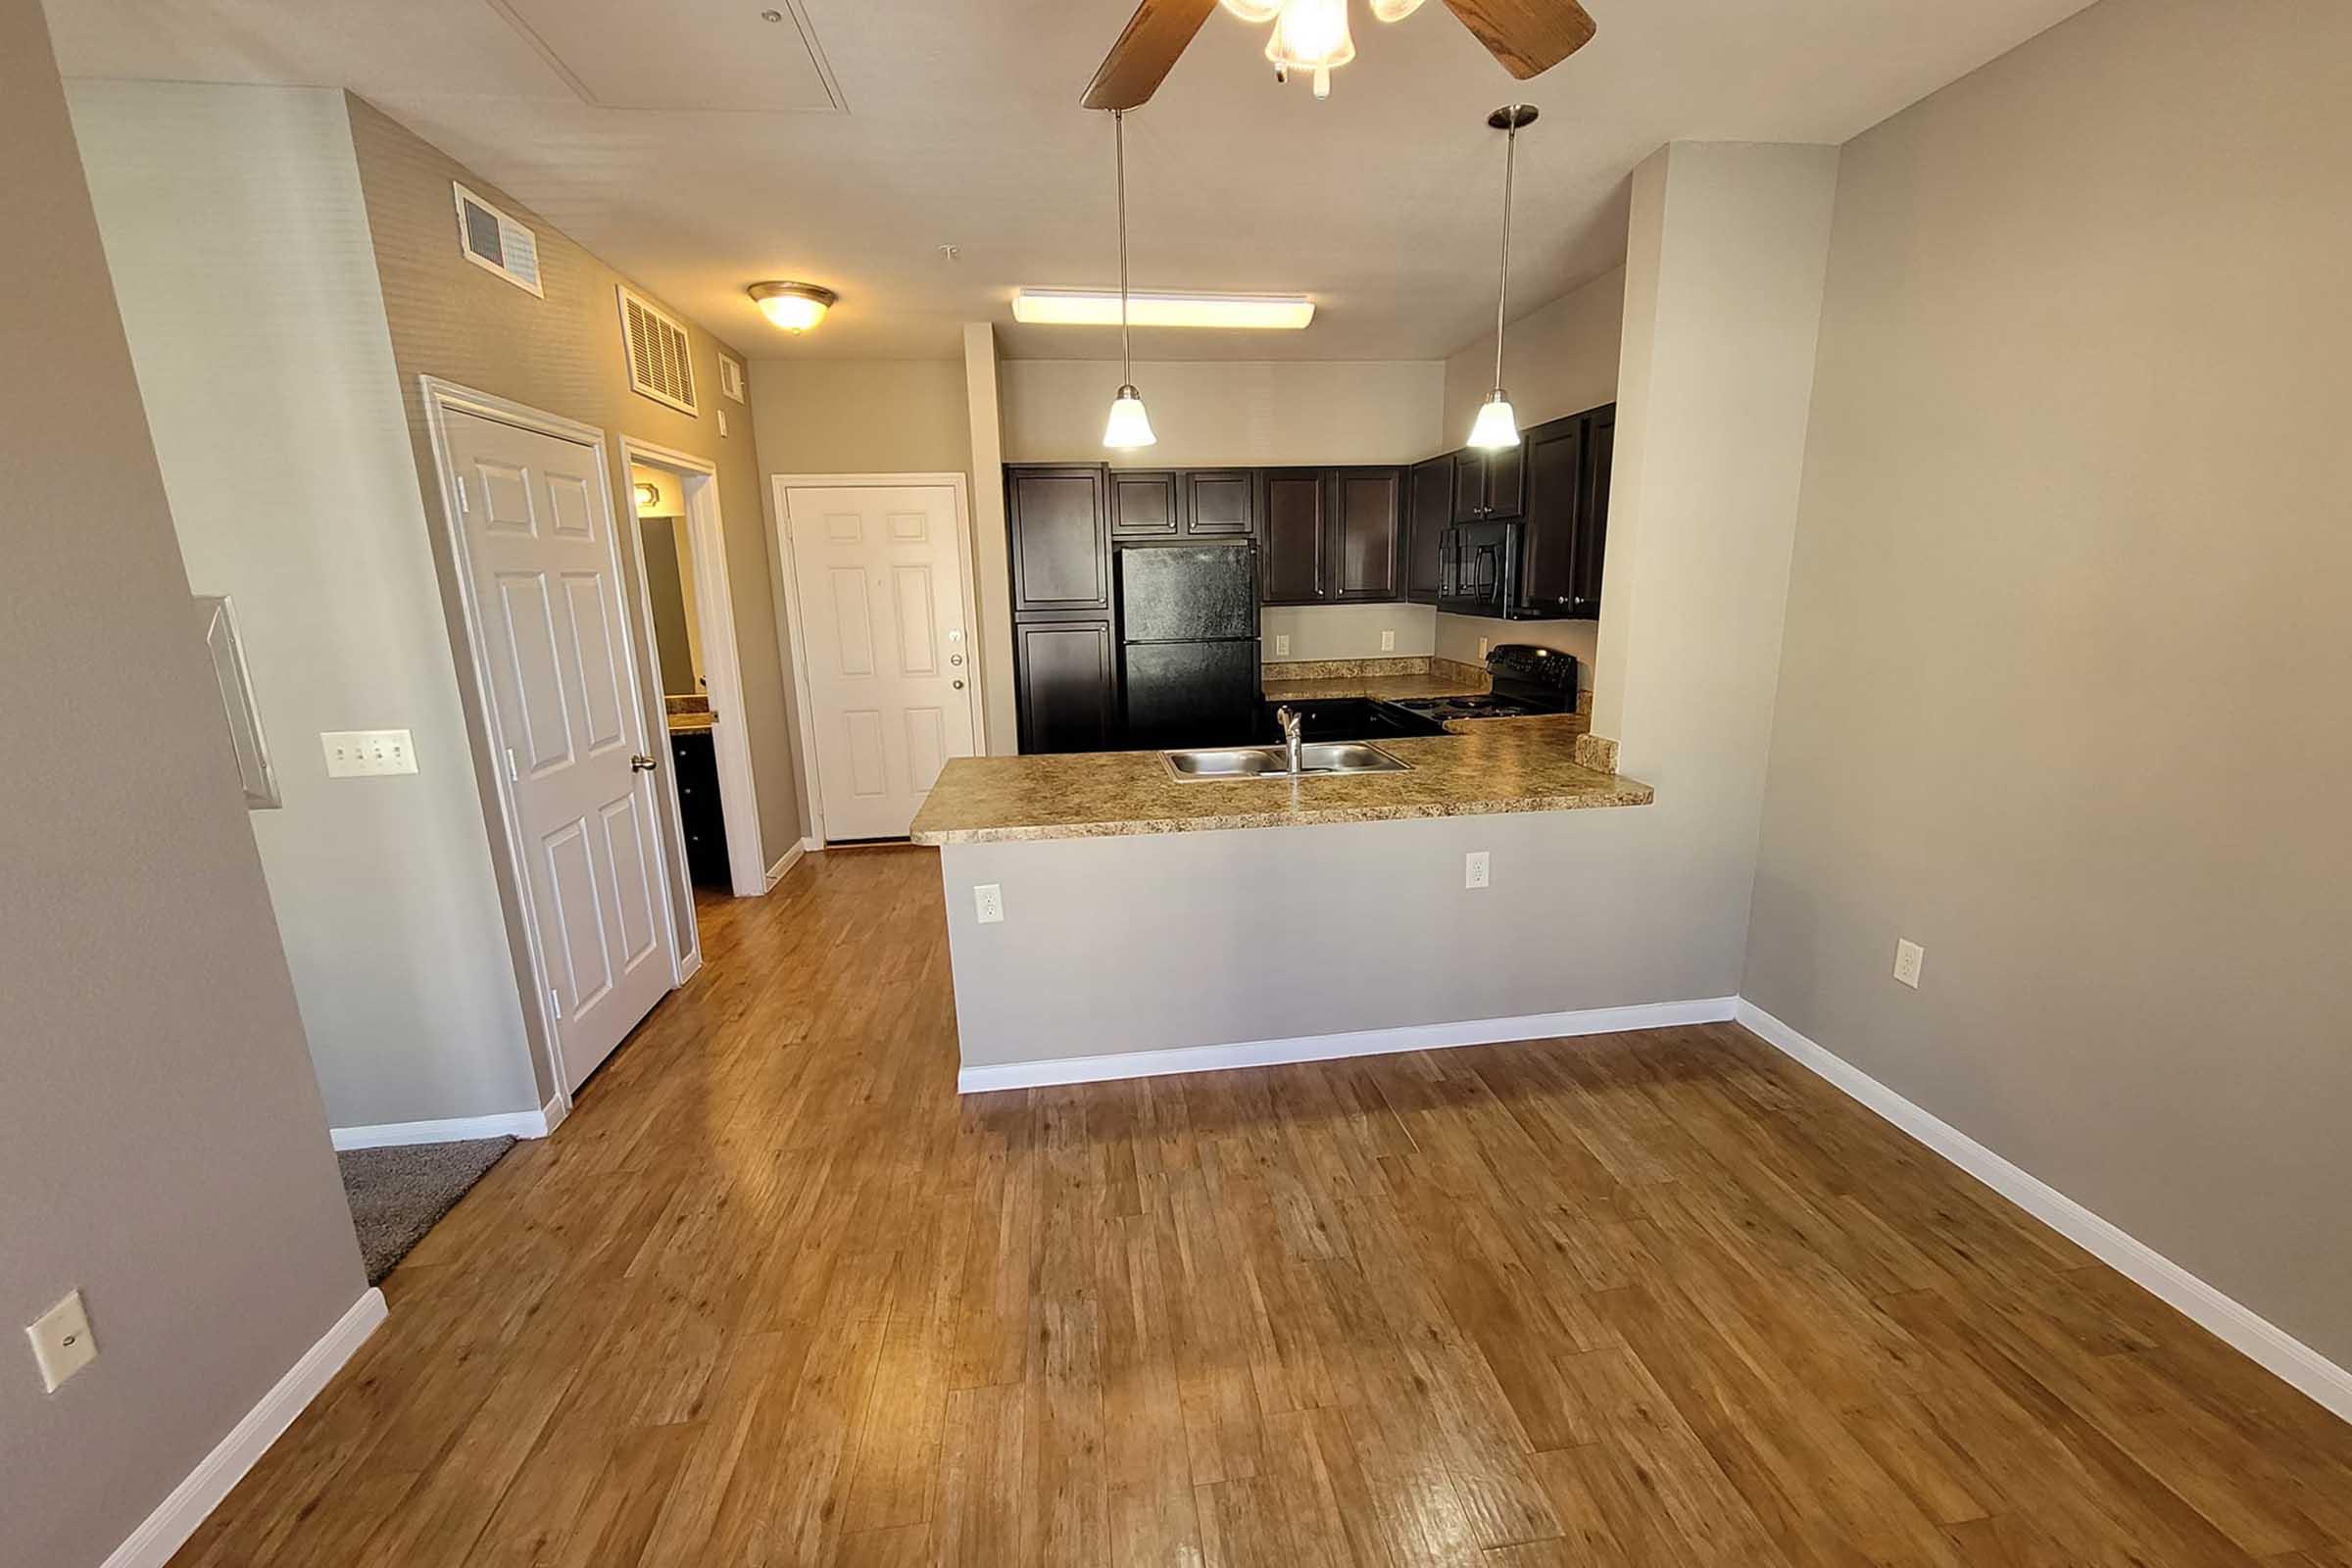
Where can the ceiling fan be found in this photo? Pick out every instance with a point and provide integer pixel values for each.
(1529, 38)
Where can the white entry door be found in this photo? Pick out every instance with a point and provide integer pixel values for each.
(546, 579)
(879, 594)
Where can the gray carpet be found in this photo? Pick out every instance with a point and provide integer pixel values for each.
(396, 1193)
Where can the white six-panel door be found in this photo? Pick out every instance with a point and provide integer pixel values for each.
(879, 590)
(546, 581)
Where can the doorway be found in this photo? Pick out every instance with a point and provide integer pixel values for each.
(680, 539)
(877, 571)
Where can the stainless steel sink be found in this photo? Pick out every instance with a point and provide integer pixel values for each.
(1316, 757)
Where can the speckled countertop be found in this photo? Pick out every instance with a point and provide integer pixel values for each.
(691, 723)
(1484, 767)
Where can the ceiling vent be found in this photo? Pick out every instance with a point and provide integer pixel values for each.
(661, 365)
(731, 378)
(495, 242)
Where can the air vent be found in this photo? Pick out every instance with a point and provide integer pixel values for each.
(731, 378)
(660, 363)
(495, 242)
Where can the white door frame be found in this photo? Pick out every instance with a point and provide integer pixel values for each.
(441, 399)
(781, 485)
(722, 667)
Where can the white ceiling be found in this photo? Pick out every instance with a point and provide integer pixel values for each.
(962, 126)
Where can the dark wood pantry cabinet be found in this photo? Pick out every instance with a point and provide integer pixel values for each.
(1066, 685)
(1060, 539)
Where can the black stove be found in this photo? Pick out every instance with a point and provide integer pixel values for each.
(1526, 680)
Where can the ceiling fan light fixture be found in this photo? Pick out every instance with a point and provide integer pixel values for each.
(1311, 35)
(794, 306)
(1254, 12)
(1395, 10)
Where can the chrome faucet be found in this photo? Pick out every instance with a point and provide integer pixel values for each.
(1289, 737)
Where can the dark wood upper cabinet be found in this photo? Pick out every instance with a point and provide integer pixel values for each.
(1145, 505)
(1220, 503)
(1593, 515)
(1367, 511)
(1429, 512)
(1555, 494)
(1061, 526)
(1292, 551)
(1489, 486)
(1068, 679)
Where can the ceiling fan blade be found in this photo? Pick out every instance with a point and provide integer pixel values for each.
(1145, 52)
(1529, 36)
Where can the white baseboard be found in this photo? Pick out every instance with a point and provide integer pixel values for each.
(811, 845)
(2262, 1341)
(174, 1520)
(691, 967)
(1329, 1048)
(784, 862)
(454, 1130)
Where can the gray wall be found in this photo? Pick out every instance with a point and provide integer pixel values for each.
(239, 249)
(161, 1143)
(2068, 662)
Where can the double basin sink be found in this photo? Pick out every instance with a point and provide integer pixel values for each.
(1316, 759)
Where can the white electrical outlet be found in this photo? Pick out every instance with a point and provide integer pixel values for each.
(1282, 644)
(61, 1342)
(988, 904)
(368, 752)
(1388, 642)
(1482, 650)
(1908, 957)
(1474, 869)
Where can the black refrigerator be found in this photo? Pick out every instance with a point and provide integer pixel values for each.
(1188, 644)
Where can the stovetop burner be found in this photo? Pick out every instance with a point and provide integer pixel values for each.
(1488, 707)
(1526, 680)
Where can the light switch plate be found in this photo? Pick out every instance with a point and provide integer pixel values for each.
(1908, 957)
(722, 421)
(1474, 869)
(61, 1342)
(988, 904)
(1388, 641)
(1282, 644)
(368, 752)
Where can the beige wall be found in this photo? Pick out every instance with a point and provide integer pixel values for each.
(162, 1142)
(239, 246)
(1559, 359)
(1208, 412)
(2066, 656)
(1346, 631)
(563, 354)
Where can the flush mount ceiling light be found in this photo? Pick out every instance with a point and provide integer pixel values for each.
(1128, 426)
(1528, 37)
(1092, 307)
(794, 306)
(1496, 426)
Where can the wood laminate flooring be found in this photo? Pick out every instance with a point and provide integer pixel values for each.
(774, 1295)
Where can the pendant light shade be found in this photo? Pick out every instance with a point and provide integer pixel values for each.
(1128, 426)
(1497, 425)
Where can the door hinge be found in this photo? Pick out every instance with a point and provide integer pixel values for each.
(555, 1003)
(512, 777)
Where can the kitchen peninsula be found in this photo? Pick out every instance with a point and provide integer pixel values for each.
(1146, 923)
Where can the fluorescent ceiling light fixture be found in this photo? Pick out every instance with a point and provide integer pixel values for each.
(1100, 307)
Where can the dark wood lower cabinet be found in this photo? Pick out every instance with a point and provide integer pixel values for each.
(1067, 675)
(693, 757)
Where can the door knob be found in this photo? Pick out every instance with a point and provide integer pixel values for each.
(641, 763)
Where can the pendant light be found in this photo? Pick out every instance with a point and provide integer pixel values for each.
(1129, 426)
(1496, 426)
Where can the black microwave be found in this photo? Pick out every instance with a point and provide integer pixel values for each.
(1481, 572)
